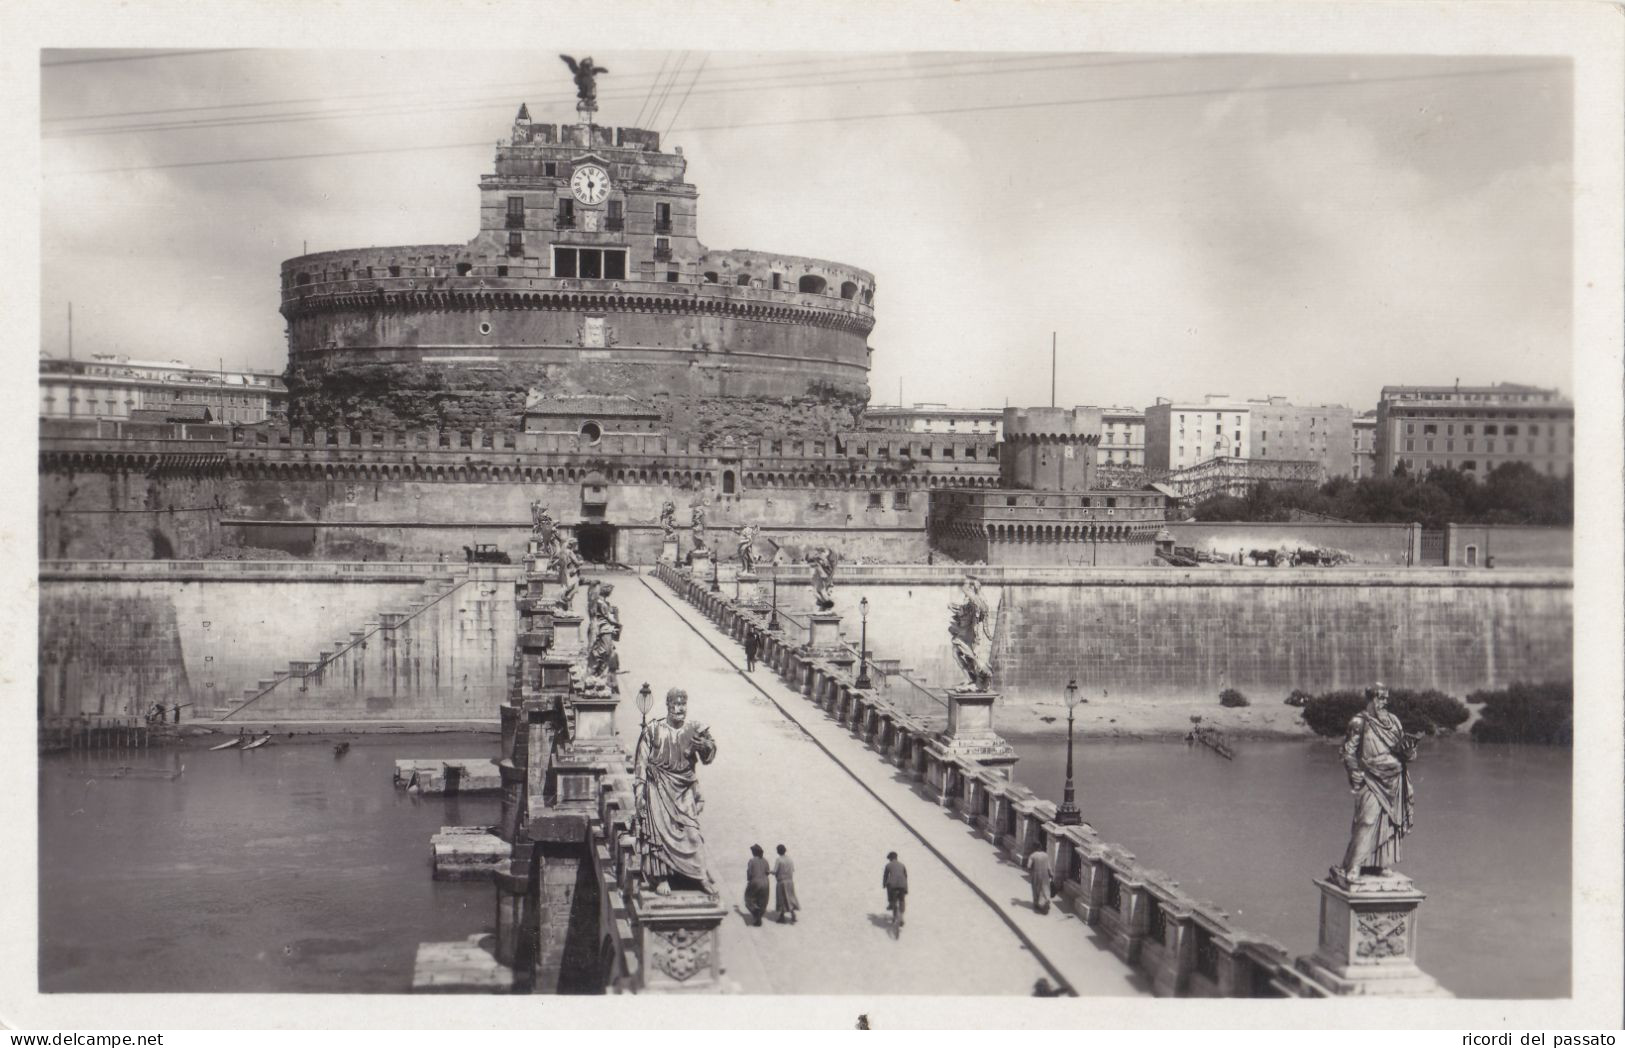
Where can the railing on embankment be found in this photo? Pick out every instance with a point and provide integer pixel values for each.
(1185, 946)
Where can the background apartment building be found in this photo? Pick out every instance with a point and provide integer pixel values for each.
(1474, 428)
(1365, 446)
(1122, 438)
(115, 387)
(935, 418)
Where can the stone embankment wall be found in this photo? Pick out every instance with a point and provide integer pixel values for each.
(1184, 634)
(92, 513)
(108, 640)
(117, 636)
(1511, 545)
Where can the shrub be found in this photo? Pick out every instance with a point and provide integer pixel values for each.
(1232, 698)
(1527, 713)
(1299, 697)
(1420, 712)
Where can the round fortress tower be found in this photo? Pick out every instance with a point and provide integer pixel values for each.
(587, 277)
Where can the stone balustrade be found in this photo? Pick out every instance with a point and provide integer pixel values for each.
(1186, 947)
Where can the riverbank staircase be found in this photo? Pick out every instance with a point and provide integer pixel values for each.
(380, 668)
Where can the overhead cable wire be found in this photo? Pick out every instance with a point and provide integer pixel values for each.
(654, 114)
(373, 94)
(719, 87)
(679, 111)
(954, 110)
(138, 58)
(638, 120)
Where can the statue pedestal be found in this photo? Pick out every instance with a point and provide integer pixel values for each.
(823, 630)
(750, 588)
(668, 551)
(1368, 939)
(567, 642)
(970, 731)
(678, 945)
(699, 561)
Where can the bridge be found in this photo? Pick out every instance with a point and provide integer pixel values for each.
(810, 756)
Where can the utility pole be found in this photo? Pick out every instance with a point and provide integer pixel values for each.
(70, 330)
(1052, 369)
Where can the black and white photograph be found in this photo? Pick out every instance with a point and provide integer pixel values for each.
(1032, 515)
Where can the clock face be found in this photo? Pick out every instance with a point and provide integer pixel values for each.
(590, 184)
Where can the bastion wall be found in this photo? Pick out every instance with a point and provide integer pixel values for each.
(1142, 634)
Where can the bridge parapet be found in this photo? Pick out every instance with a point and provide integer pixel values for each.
(1186, 947)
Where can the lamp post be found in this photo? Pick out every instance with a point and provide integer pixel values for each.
(1068, 814)
(863, 646)
(645, 700)
(773, 619)
(716, 576)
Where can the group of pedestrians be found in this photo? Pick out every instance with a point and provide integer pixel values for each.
(759, 877)
(781, 876)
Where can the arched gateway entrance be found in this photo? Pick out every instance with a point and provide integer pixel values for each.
(596, 541)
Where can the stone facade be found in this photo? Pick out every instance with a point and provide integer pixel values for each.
(1474, 428)
(555, 293)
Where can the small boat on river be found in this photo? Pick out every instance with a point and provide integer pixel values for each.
(1213, 739)
(238, 741)
(257, 743)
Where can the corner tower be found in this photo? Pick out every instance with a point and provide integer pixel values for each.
(587, 277)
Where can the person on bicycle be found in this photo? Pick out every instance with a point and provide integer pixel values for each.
(895, 881)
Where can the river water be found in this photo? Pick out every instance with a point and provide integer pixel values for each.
(286, 869)
(1491, 847)
(283, 869)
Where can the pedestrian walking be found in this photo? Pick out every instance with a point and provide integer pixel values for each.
(784, 874)
(1039, 875)
(752, 642)
(757, 873)
(895, 880)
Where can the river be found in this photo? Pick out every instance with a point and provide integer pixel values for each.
(1491, 847)
(284, 869)
(290, 870)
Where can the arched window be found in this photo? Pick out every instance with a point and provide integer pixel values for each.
(811, 285)
(744, 280)
(849, 289)
(710, 277)
(727, 482)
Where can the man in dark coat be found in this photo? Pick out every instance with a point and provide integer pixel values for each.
(895, 881)
(757, 874)
(752, 643)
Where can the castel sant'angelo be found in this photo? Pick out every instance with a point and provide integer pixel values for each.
(587, 277)
(587, 351)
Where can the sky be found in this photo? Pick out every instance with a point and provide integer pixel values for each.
(1313, 227)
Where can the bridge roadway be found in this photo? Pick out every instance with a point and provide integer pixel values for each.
(786, 774)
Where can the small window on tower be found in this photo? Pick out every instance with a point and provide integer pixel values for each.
(550, 169)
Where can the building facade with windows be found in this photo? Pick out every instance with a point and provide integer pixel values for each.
(1180, 434)
(587, 274)
(108, 386)
(1474, 428)
(1122, 438)
(935, 418)
(1365, 446)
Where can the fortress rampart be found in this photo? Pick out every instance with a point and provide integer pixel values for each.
(573, 292)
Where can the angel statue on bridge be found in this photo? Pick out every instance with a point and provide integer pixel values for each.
(666, 797)
(668, 519)
(747, 549)
(696, 522)
(822, 560)
(968, 625)
(584, 73)
(567, 561)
